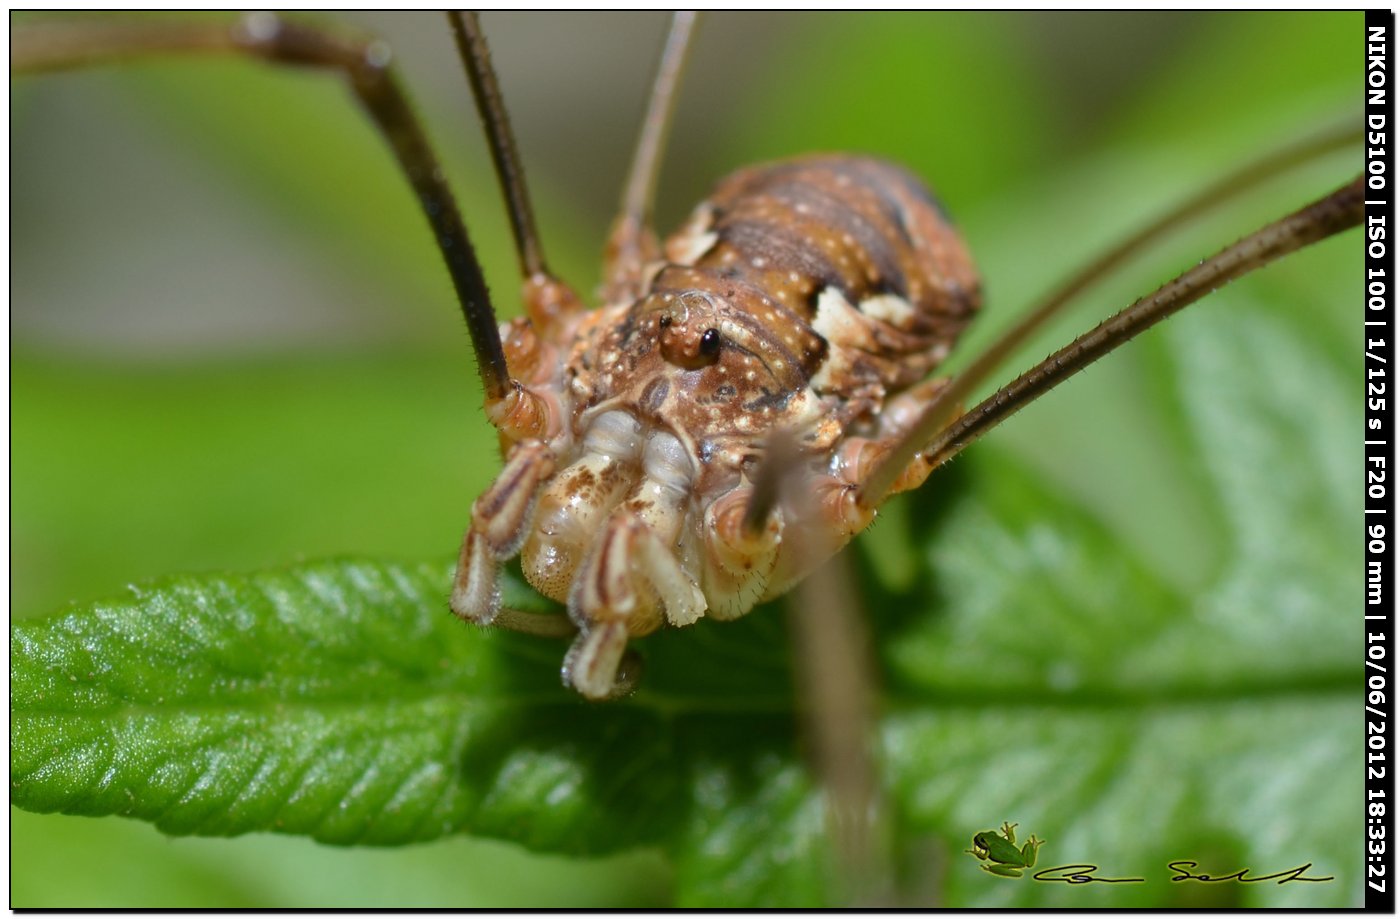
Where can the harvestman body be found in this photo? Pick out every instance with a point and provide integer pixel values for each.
(801, 296)
(749, 393)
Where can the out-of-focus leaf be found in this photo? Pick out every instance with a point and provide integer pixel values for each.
(952, 138)
(375, 453)
(129, 864)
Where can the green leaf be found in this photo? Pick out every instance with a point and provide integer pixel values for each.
(340, 701)
(337, 701)
(147, 707)
(1170, 719)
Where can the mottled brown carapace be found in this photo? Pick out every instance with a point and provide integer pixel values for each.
(811, 297)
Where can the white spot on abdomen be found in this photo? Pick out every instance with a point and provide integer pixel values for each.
(888, 308)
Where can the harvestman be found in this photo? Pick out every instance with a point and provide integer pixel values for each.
(749, 394)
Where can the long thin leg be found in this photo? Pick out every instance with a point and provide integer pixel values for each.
(548, 301)
(1341, 210)
(1230, 187)
(541, 625)
(938, 412)
(780, 454)
(836, 682)
(632, 242)
(365, 65)
(834, 667)
(476, 57)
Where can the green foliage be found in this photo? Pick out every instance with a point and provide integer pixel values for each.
(1124, 623)
(338, 700)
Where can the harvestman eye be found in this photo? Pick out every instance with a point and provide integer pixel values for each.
(710, 342)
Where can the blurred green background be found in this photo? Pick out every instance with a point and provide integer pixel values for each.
(233, 344)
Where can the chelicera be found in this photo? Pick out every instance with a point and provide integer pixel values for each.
(807, 301)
